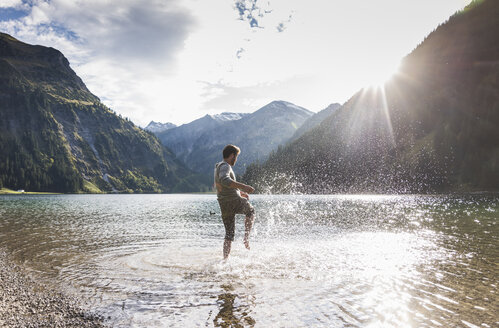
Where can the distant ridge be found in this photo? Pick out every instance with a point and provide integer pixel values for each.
(199, 143)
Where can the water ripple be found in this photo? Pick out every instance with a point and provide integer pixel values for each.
(330, 260)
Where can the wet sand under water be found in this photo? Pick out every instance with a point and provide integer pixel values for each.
(26, 303)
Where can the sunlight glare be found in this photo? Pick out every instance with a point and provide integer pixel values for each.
(378, 75)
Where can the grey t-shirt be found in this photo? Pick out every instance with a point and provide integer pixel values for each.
(223, 177)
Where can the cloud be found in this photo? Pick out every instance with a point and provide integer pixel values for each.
(117, 47)
(249, 11)
(135, 32)
(239, 53)
(222, 96)
(10, 3)
(282, 25)
(138, 31)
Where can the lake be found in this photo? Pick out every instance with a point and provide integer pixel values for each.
(315, 260)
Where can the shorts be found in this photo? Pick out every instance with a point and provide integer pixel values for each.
(229, 210)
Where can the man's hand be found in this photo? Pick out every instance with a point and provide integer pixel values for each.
(248, 189)
(242, 187)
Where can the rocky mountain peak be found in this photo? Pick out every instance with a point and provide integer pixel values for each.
(43, 67)
(283, 107)
(228, 116)
(156, 127)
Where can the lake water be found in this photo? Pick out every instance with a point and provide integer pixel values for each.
(315, 261)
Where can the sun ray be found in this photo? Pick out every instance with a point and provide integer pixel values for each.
(386, 111)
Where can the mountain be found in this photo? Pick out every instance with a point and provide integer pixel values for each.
(432, 128)
(199, 144)
(156, 127)
(314, 120)
(55, 135)
(182, 138)
(227, 116)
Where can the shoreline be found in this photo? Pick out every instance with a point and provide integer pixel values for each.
(27, 303)
(6, 191)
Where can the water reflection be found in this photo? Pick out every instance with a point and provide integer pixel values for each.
(233, 312)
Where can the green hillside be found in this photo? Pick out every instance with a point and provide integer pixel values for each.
(433, 128)
(57, 136)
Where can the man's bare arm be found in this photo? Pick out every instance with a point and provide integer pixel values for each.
(241, 186)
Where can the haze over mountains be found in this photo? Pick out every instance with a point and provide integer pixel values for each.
(434, 127)
(57, 136)
(199, 144)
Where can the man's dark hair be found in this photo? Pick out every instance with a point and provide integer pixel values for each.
(231, 149)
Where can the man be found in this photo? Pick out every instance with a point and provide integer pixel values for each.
(233, 198)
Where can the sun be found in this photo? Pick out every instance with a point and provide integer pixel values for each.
(380, 73)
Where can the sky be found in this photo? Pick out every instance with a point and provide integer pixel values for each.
(178, 60)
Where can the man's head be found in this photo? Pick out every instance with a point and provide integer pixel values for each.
(230, 154)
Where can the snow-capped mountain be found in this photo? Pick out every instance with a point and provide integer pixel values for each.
(157, 127)
(226, 116)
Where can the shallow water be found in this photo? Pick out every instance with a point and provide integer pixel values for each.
(315, 261)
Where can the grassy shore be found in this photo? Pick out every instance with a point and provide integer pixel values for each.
(5, 191)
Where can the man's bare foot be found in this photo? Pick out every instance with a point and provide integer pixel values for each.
(246, 244)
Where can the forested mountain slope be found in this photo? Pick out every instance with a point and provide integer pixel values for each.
(57, 136)
(433, 127)
(314, 120)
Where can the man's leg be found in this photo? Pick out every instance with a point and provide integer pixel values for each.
(248, 223)
(229, 223)
(227, 246)
(249, 211)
